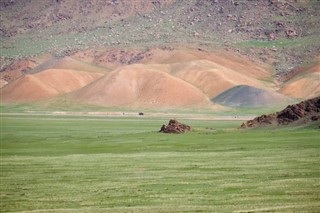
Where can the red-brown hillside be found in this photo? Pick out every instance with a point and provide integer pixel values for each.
(15, 70)
(303, 82)
(45, 84)
(140, 86)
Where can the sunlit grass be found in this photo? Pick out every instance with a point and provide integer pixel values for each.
(100, 164)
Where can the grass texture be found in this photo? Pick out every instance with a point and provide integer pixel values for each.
(109, 164)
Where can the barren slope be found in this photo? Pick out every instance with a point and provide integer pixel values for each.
(141, 86)
(211, 72)
(220, 57)
(304, 84)
(213, 78)
(15, 70)
(70, 63)
(46, 84)
(173, 55)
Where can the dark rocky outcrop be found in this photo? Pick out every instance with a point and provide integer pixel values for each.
(309, 109)
(175, 127)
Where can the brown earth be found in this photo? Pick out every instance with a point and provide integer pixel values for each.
(41, 63)
(15, 70)
(113, 58)
(313, 67)
(175, 127)
(303, 83)
(68, 63)
(308, 110)
(226, 59)
(74, 64)
(45, 84)
(213, 78)
(193, 65)
(3, 83)
(140, 86)
(169, 77)
(217, 71)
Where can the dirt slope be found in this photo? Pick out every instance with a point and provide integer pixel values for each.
(199, 75)
(38, 64)
(211, 72)
(15, 70)
(69, 63)
(247, 96)
(114, 58)
(213, 78)
(220, 57)
(45, 84)
(139, 86)
(3, 83)
(74, 64)
(305, 83)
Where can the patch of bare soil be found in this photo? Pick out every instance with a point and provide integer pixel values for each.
(213, 78)
(140, 86)
(15, 70)
(113, 58)
(302, 82)
(46, 84)
(211, 72)
(3, 82)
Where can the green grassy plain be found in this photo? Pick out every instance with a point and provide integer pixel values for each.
(122, 164)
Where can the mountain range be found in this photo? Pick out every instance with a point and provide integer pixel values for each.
(160, 53)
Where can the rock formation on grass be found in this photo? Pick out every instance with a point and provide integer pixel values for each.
(175, 127)
(308, 110)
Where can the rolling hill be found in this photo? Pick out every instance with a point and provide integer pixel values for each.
(160, 54)
(165, 78)
(46, 84)
(304, 83)
(139, 86)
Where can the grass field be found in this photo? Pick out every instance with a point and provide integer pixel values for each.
(110, 164)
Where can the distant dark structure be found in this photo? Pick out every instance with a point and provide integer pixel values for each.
(141, 113)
